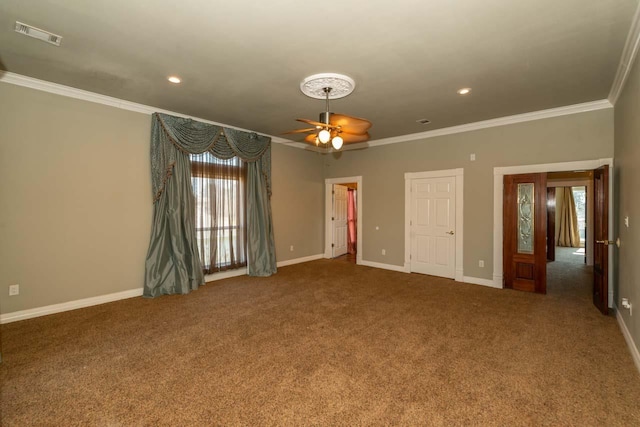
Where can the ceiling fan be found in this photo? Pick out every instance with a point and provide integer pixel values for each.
(331, 127)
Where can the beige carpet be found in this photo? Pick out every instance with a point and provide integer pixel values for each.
(326, 343)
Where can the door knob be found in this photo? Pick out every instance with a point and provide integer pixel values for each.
(605, 242)
(451, 233)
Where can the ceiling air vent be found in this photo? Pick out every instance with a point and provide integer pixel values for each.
(37, 33)
(423, 121)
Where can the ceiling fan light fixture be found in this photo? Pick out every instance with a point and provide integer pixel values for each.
(337, 142)
(324, 136)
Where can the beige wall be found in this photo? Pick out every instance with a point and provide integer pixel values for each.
(582, 136)
(75, 199)
(627, 199)
(297, 202)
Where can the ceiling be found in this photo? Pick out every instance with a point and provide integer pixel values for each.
(242, 61)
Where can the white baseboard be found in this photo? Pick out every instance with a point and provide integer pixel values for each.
(67, 306)
(399, 268)
(478, 281)
(633, 348)
(299, 260)
(224, 275)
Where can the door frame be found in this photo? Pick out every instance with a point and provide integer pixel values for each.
(458, 174)
(328, 213)
(498, 177)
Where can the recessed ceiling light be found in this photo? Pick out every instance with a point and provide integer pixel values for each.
(464, 91)
(174, 79)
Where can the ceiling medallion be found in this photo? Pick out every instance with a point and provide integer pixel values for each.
(340, 85)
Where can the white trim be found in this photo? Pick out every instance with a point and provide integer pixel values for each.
(627, 58)
(30, 82)
(71, 92)
(498, 179)
(633, 348)
(67, 306)
(479, 281)
(300, 260)
(328, 211)
(225, 275)
(399, 268)
(458, 174)
(500, 121)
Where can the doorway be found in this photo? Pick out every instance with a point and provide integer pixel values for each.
(338, 222)
(499, 179)
(566, 192)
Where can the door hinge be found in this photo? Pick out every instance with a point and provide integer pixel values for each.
(332, 218)
(333, 191)
(332, 245)
(410, 222)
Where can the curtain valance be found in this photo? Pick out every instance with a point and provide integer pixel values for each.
(192, 137)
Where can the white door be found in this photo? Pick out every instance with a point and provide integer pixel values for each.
(339, 220)
(433, 215)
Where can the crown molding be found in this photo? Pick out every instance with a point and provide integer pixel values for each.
(30, 82)
(501, 121)
(71, 92)
(629, 53)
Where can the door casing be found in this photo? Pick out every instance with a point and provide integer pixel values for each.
(498, 177)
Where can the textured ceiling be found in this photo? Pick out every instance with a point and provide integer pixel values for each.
(242, 61)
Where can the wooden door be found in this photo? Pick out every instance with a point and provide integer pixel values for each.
(601, 238)
(525, 232)
(339, 220)
(551, 224)
(433, 224)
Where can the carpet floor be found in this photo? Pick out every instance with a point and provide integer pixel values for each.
(326, 343)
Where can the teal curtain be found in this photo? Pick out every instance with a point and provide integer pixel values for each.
(173, 264)
(261, 255)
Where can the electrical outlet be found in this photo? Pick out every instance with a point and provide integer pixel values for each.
(384, 252)
(291, 248)
(14, 290)
(472, 157)
(481, 263)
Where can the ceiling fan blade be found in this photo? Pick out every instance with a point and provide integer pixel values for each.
(314, 123)
(350, 124)
(299, 131)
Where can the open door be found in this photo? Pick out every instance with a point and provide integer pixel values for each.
(525, 232)
(339, 220)
(601, 237)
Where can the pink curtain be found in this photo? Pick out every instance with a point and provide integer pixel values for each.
(351, 221)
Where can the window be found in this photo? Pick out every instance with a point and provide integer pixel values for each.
(580, 198)
(219, 188)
